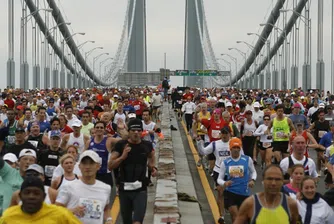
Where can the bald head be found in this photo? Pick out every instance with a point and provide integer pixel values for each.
(299, 146)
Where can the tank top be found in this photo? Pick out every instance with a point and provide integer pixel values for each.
(101, 150)
(238, 173)
(149, 127)
(249, 127)
(201, 116)
(63, 180)
(278, 215)
(279, 129)
(320, 129)
(11, 133)
(79, 142)
(50, 111)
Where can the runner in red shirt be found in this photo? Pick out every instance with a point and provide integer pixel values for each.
(139, 106)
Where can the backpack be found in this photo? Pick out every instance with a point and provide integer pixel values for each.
(165, 84)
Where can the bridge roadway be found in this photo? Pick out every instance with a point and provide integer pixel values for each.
(189, 178)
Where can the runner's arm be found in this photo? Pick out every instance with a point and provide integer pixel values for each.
(314, 144)
(252, 170)
(64, 142)
(292, 127)
(244, 210)
(204, 151)
(107, 214)
(220, 179)
(259, 131)
(293, 211)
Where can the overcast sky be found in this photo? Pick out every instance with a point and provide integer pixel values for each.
(102, 21)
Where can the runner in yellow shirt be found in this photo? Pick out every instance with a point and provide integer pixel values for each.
(33, 208)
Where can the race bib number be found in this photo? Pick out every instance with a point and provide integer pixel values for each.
(279, 135)
(249, 133)
(137, 107)
(321, 133)
(93, 208)
(49, 170)
(224, 153)
(179, 101)
(266, 144)
(34, 143)
(236, 171)
(215, 134)
(11, 139)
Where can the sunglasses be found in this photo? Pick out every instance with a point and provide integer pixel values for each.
(266, 119)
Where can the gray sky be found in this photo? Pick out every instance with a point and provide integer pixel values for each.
(102, 21)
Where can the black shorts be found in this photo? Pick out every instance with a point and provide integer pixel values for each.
(281, 146)
(232, 199)
(215, 176)
(211, 156)
(261, 147)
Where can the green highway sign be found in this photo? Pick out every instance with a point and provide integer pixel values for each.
(196, 73)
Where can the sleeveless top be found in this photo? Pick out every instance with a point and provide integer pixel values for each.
(101, 150)
(79, 142)
(201, 116)
(148, 127)
(63, 180)
(278, 215)
(249, 127)
(121, 116)
(279, 129)
(11, 133)
(238, 173)
(50, 111)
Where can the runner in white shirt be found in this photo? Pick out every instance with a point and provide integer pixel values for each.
(297, 157)
(87, 198)
(257, 113)
(266, 149)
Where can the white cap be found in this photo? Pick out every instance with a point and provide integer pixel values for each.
(132, 115)
(91, 154)
(256, 104)
(36, 167)
(38, 94)
(180, 91)
(27, 152)
(229, 104)
(221, 101)
(11, 157)
(311, 91)
(115, 96)
(321, 105)
(77, 123)
(302, 97)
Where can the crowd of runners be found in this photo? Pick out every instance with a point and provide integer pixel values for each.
(63, 151)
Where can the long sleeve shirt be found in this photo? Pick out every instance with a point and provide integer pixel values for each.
(260, 132)
(189, 108)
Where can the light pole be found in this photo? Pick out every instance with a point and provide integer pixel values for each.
(62, 72)
(86, 55)
(230, 67)
(95, 59)
(241, 53)
(24, 67)
(102, 63)
(262, 79)
(251, 47)
(307, 51)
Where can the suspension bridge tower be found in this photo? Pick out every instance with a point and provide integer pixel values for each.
(193, 51)
(137, 52)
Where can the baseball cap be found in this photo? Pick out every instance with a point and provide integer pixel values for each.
(135, 124)
(77, 123)
(27, 152)
(132, 115)
(217, 111)
(91, 154)
(19, 107)
(321, 105)
(235, 142)
(296, 105)
(228, 104)
(55, 133)
(115, 96)
(19, 129)
(35, 167)
(256, 104)
(11, 157)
